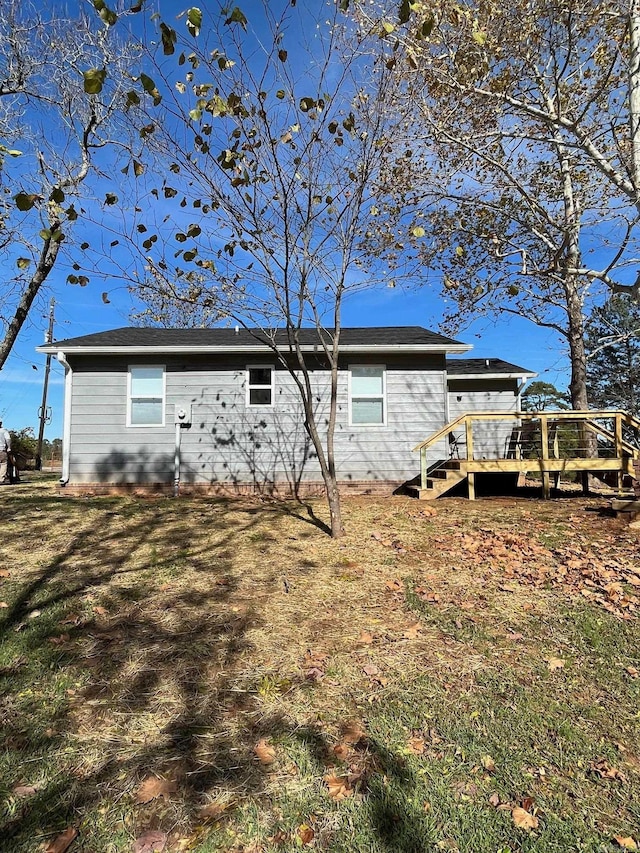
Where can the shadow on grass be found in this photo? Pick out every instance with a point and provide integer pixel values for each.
(105, 680)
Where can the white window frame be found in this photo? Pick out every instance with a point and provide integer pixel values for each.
(383, 396)
(161, 367)
(249, 387)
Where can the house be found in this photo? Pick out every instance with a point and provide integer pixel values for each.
(214, 408)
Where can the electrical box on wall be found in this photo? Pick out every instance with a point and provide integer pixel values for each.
(183, 413)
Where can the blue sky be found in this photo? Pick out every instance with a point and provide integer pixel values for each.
(81, 311)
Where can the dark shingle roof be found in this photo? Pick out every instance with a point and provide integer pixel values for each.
(382, 336)
(484, 367)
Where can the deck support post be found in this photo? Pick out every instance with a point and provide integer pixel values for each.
(471, 485)
(423, 467)
(544, 440)
(471, 477)
(619, 457)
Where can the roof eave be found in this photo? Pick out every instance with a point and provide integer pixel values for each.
(259, 348)
(523, 374)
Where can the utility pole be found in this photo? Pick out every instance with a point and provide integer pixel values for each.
(43, 413)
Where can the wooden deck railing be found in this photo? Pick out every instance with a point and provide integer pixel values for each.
(547, 442)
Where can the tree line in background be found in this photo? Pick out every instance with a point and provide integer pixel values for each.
(264, 163)
(24, 447)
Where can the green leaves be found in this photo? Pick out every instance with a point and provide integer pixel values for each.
(25, 201)
(82, 280)
(94, 80)
(169, 39)
(237, 17)
(132, 100)
(404, 12)
(12, 152)
(194, 20)
(150, 88)
(418, 231)
(23, 263)
(106, 14)
(111, 198)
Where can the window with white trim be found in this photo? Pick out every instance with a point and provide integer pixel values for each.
(260, 385)
(146, 396)
(367, 395)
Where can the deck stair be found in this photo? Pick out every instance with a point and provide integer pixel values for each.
(547, 444)
(439, 481)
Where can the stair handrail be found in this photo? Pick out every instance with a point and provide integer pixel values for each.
(562, 414)
(634, 452)
(436, 436)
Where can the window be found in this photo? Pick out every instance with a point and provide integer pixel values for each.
(146, 396)
(260, 386)
(367, 395)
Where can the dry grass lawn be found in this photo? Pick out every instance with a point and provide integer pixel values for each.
(217, 675)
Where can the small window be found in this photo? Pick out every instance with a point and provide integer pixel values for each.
(367, 400)
(146, 396)
(260, 386)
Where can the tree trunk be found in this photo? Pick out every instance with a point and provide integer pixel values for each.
(634, 94)
(587, 441)
(326, 459)
(46, 262)
(577, 352)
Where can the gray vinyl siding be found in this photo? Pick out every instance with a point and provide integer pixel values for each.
(230, 443)
(490, 438)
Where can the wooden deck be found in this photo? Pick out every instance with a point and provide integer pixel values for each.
(546, 443)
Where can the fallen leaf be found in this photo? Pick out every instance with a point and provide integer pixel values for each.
(416, 745)
(212, 811)
(606, 771)
(393, 585)
(152, 788)
(494, 800)
(626, 842)
(342, 751)
(34, 614)
(24, 790)
(5, 573)
(63, 841)
(305, 834)
(314, 674)
(339, 788)
(264, 752)
(488, 763)
(411, 633)
(153, 841)
(632, 671)
(3, 604)
(524, 820)
(555, 663)
(352, 732)
(365, 638)
(58, 641)
(370, 669)
(527, 804)
(101, 611)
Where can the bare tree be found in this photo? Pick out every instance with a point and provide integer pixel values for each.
(64, 85)
(528, 116)
(275, 135)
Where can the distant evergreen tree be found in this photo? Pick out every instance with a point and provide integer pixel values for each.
(613, 347)
(539, 396)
